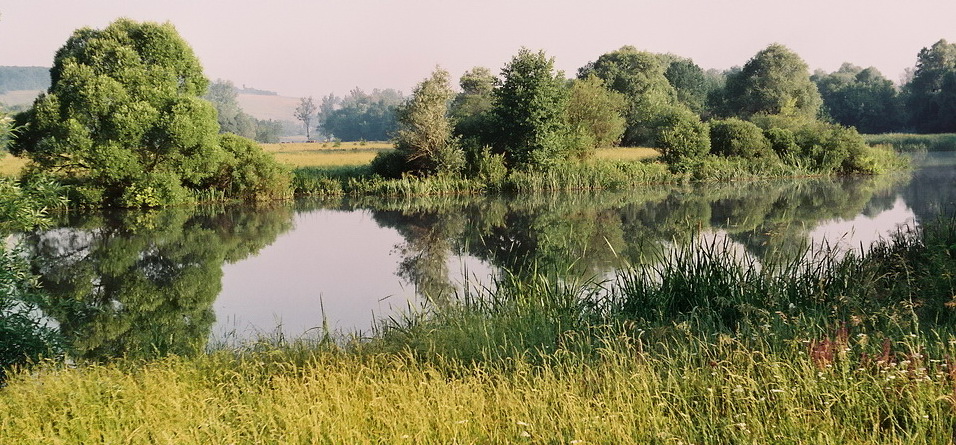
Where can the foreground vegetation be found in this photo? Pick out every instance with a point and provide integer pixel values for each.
(698, 349)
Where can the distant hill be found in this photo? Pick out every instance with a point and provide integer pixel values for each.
(260, 106)
(18, 78)
(19, 97)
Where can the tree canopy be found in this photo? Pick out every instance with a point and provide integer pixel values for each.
(860, 98)
(931, 95)
(530, 103)
(775, 81)
(125, 116)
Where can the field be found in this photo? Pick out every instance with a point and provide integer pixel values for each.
(11, 165)
(328, 154)
(279, 108)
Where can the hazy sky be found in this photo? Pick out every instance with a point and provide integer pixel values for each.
(300, 47)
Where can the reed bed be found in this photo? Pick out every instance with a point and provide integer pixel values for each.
(910, 143)
(858, 348)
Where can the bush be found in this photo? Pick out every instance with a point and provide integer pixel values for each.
(249, 173)
(735, 137)
(783, 142)
(389, 164)
(679, 135)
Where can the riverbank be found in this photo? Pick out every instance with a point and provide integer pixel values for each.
(698, 349)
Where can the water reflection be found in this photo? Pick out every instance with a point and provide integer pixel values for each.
(168, 281)
(139, 284)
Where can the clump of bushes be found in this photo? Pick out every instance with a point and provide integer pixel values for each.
(738, 138)
(680, 134)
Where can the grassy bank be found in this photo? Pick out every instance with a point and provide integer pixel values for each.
(700, 349)
(909, 143)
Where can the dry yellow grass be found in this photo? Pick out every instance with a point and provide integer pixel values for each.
(11, 165)
(319, 154)
(627, 153)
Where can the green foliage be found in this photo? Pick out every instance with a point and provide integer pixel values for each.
(424, 134)
(124, 109)
(389, 164)
(774, 81)
(249, 173)
(690, 83)
(471, 110)
(931, 95)
(735, 137)
(530, 104)
(24, 336)
(680, 135)
(594, 112)
(360, 115)
(782, 141)
(640, 77)
(861, 98)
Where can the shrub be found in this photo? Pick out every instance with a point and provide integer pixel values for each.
(679, 134)
(782, 141)
(249, 173)
(389, 164)
(735, 137)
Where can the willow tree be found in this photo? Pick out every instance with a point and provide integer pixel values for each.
(424, 138)
(125, 114)
(775, 81)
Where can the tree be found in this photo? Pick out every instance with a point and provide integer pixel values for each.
(305, 112)
(223, 95)
(775, 81)
(931, 95)
(594, 113)
(860, 98)
(471, 109)
(124, 113)
(424, 136)
(639, 76)
(689, 81)
(530, 102)
(361, 115)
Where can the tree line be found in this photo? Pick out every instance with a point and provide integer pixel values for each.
(851, 96)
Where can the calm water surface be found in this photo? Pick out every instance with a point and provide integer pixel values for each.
(175, 279)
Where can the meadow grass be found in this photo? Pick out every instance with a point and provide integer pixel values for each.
(11, 166)
(627, 153)
(326, 154)
(700, 349)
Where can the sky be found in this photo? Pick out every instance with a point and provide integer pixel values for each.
(312, 48)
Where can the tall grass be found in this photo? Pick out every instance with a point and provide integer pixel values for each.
(698, 349)
(909, 143)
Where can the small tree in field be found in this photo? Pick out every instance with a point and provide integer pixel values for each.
(305, 112)
(424, 137)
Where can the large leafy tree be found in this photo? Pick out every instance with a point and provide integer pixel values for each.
(125, 111)
(125, 117)
(775, 81)
(639, 76)
(931, 94)
(594, 113)
(860, 98)
(530, 102)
